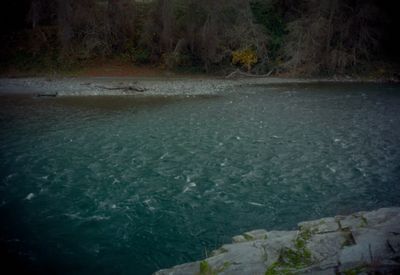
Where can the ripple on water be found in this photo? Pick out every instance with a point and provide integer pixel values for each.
(110, 187)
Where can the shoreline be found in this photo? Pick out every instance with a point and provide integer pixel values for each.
(146, 86)
(359, 243)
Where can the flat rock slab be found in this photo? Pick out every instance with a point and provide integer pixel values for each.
(320, 226)
(355, 244)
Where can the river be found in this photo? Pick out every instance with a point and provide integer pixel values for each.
(129, 185)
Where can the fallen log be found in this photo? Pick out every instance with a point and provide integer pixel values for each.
(122, 88)
(237, 73)
(47, 95)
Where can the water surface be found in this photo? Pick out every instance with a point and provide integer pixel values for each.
(125, 185)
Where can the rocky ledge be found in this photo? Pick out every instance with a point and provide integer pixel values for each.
(361, 243)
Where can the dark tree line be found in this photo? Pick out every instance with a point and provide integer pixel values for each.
(309, 37)
(332, 35)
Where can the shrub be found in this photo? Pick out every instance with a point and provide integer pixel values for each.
(139, 55)
(175, 60)
(246, 57)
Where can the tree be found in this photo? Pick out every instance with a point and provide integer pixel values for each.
(202, 32)
(330, 35)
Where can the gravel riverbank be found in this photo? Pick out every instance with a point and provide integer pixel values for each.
(96, 86)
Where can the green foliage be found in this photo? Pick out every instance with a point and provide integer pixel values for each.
(175, 60)
(363, 222)
(248, 237)
(270, 14)
(40, 62)
(188, 13)
(302, 36)
(206, 269)
(306, 233)
(276, 269)
(139, 55)
(292, 259)
(295, 258)
(331, 37)
(355, 271)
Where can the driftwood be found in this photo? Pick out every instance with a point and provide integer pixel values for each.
(47, 95)
(123, 88)
(238, 73)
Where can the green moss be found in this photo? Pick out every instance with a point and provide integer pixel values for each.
(271, 270)
(300, 243)
(275, 269)
(289, 260)
(206, 269)
(219, 251)
(300, 256)
(295, 258)
(363, 222)
(306, 233)
(292, 259)
(355, 270)
(248, 237)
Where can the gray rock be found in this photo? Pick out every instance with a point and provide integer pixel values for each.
(274, 235)
(363, 242)
(353, 221)
(238, 239)
(382, 216)
(325, 247)
(184, 269)
(259, 234)
(323, 225)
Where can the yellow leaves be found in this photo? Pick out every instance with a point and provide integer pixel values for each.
(246, 57)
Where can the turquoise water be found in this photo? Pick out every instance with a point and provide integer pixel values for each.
(125, 185)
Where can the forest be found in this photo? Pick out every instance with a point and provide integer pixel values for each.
(262, 37)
